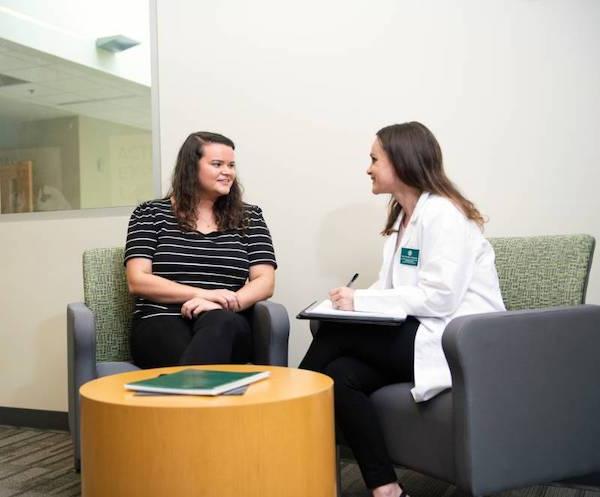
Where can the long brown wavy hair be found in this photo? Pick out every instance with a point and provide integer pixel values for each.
(185, 192)
(417, 159)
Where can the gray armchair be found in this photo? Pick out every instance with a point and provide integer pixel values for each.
(524, 406)
(98, 330)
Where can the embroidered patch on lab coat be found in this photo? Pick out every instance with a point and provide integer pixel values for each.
(409, 256)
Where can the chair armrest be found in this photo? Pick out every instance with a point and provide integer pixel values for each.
(271, 330)
(525, 395)
(81, 357)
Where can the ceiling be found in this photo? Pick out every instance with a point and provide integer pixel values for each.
(42, 86)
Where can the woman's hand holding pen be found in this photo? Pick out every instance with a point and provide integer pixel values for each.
(342, 298)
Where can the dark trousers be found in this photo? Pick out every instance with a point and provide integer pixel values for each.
(214, 337)
(362, 359)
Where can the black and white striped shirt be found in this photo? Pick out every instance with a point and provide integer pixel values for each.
(218, 260)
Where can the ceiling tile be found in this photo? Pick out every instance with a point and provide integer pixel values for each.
(56, 82)
(108, 92)
(9, 61)
(137, 102)
(19, 111)
(33, 57)
(38, 74)
(58, 99)
(82, 86)
(26, 91)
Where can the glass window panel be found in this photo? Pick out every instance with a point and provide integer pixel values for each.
(71, 136)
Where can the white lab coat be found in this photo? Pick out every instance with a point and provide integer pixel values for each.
(455, 275)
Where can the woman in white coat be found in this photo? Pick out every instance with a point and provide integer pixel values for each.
(436, 266)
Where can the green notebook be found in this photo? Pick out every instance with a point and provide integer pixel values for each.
(197, 382)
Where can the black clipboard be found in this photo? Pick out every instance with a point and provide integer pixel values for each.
(383, 320)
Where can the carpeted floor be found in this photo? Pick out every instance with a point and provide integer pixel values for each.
(36, 463)
(418, 485)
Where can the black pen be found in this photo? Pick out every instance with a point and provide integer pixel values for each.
(352, 280)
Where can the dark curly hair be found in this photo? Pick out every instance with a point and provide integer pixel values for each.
(185, 191)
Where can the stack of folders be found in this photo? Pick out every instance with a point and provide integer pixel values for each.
(197, 382)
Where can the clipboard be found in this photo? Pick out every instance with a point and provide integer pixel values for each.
(321, 311)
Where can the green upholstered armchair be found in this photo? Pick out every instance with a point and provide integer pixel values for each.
(98, 329)
(525, 403)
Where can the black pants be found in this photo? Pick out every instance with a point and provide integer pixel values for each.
(214, 337)
(362, 359)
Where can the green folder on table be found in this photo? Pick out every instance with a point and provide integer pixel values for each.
(197, 382)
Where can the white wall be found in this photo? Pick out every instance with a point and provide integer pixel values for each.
(40, 273)
(40, 254)
(510, 88)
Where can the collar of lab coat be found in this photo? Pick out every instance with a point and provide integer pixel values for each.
(415, 215)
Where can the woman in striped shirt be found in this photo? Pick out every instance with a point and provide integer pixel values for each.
(197, 261)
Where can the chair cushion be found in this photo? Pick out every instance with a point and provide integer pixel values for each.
(106, 294)
(107, 368)
(418, 435)
(543, 271)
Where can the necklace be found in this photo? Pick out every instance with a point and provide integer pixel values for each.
(205, 221)
(205, 225)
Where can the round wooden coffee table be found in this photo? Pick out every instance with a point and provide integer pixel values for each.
(275, 440)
